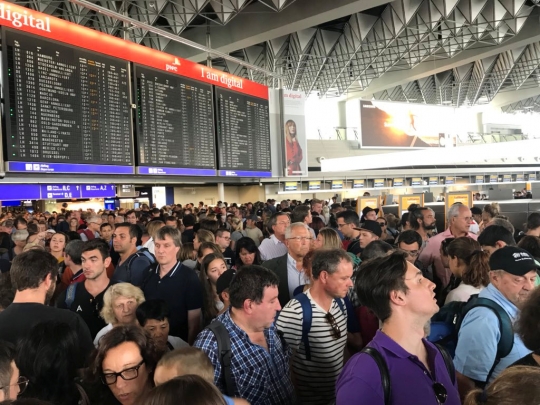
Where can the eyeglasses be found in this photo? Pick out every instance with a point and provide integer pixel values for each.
(412, 253)
(336, 332)
(300, 238)
(341, 225)
(440, 393)
(381, 224)
(22, 382)
(127, 374)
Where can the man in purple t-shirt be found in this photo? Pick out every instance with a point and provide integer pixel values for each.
(395, 290)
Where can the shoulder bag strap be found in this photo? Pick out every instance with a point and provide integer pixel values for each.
(383, 369)
(224, 349)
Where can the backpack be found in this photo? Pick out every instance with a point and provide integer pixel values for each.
(140, 253)
(307, 317)
(446, 323)
(224, 354)
(385, 374)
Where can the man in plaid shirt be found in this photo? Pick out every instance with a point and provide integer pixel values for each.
(260, 359)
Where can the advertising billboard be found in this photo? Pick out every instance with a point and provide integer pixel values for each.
(294, 133)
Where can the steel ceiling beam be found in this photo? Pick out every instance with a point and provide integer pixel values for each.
(172, 37)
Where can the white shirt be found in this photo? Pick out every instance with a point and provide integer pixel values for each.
(149, 244)
(462, 293)
(271, 248)
(102, 333)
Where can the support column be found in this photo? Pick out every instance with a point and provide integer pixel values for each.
(221, 192)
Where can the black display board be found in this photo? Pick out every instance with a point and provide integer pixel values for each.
(65, 104)
(175, 126)
(243, 133)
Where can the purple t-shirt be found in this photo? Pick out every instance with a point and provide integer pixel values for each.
(360, 381)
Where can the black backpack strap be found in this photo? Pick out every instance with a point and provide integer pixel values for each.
(225, 353)
(447, 362)
(383, 369)
(506, 342)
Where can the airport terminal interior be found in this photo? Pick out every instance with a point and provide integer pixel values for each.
(270, 202)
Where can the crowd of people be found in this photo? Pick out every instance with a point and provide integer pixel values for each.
(268, 304)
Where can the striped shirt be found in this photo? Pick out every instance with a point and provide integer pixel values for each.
(315, 380)
(271, 248)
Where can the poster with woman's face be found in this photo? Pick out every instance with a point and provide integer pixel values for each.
(294, 134)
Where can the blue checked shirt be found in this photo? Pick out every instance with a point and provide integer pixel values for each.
(261, 377)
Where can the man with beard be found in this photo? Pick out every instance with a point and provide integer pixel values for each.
(33, 276)
(422, 220)
(294, 151)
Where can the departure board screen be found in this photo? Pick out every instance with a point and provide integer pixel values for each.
(67, 109)
(243, 130)
(175, 127)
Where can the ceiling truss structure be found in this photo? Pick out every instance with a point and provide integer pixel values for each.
(345, 55)
(529, 105)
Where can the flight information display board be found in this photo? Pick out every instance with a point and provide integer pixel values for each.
(175, 125)
(67, 109)
(243, 134)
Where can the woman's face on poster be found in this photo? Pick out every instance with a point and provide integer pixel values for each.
(292, 129)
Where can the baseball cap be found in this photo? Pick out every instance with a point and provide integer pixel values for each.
(224, 281)
(513, 260)
(371, 226)
(366, 210)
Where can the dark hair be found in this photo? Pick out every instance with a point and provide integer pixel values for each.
(415, 215)
(131, 212)
(249, 284)
(111, 214)
(7, 355)
(377, 248)
(188, 389)
(72, 235)
(189, 220)
(209, 225)
(19, 220)
(409, 237)
(209, 310)
(248, 244)
(469, 252)
(32, 229)
(531, 244)
(152, 309)
(515, 385)
(528, 325)
(24, 401)
(104, 225)
(377, 279)
(494, 233)
(300, 213)
(349, 217)
(96, 244)
(6, 291)
(533, 221)
(221, 231)
(475, 210)
(133, 229)
(29, 269)
(48, 356)
(115, 337)
(74, 249)
(405, 217)
(328, 260)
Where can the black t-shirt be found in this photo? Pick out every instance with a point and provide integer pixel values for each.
(18, 318)
(182, 291)
(86, 306)
(188, 235)
(133, 270)
(229, 255)
(354, 247)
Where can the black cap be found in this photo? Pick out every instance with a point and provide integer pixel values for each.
(224, 281)
(368, 209)
(513, 260)
(371, 226)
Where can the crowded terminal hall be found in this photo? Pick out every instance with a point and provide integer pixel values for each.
(269, 202)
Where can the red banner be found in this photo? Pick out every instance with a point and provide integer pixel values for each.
(43, 25)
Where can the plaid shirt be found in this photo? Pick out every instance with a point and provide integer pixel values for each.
(261, 377)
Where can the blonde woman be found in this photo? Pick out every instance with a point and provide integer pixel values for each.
(120, 304)
(237, 231)
(327, 238)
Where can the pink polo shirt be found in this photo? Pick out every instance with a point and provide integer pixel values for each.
(431, 255)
